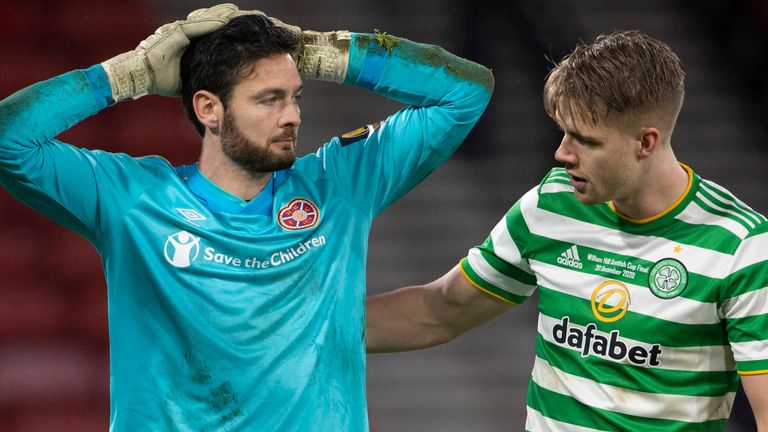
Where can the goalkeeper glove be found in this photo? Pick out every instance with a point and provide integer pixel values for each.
(153, 67)
(324, 56)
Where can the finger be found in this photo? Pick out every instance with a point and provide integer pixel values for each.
(224, 9)
(248, 12)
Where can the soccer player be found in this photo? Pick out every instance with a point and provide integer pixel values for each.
(652, 281)
(237, 284)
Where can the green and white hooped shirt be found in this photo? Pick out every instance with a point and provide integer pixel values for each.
(643, 325)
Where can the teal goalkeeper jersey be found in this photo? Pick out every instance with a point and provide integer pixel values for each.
(643, 325)
(227, 316)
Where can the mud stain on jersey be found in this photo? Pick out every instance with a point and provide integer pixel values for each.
(224, 401)
(199, 369)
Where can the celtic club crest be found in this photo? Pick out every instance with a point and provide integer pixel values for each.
(298, 214)
(667, 278)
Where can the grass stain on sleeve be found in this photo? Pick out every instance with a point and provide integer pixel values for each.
(431, 55)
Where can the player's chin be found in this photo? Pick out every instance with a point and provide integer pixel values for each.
(288, 155)
(588, 198)
(285, 159)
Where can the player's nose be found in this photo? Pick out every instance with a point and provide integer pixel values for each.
(564, 152)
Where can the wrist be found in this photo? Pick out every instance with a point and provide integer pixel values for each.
(128, 75)
(324, 56)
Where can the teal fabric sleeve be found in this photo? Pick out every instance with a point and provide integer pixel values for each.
(55, 178)
(444, 96)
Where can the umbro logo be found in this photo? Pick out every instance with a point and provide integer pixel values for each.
(570, 258)
(191, 214)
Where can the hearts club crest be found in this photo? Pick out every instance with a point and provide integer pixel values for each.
(299, 213)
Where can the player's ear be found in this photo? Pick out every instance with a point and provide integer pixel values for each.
(208, 109)
(648, 140)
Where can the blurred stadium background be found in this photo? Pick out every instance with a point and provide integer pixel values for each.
(53, 314)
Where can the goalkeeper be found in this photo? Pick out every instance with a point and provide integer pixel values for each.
(236, 284)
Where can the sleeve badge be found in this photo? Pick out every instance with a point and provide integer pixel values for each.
(358, 134)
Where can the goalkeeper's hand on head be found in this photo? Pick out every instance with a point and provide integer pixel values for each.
(153, 67)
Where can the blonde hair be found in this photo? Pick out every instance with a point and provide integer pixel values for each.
(618, 76)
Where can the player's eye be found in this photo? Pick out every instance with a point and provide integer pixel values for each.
(269, 101)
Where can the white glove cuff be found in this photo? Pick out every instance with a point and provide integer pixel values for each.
(128, 75)
(324, 56)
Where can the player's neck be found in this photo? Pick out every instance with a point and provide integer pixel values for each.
(230, 177)
(661, 188)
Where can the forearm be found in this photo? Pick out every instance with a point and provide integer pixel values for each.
(428, 315)
(416, 73)
(756, 389)
(412, 73)
(403, 320)
(38, 113)
(446, 95)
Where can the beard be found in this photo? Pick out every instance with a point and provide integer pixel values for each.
(249, 155)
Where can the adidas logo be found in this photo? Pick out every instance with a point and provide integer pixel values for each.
(570, 258)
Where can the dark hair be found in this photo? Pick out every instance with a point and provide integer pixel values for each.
(220, 60)
(619, 74)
